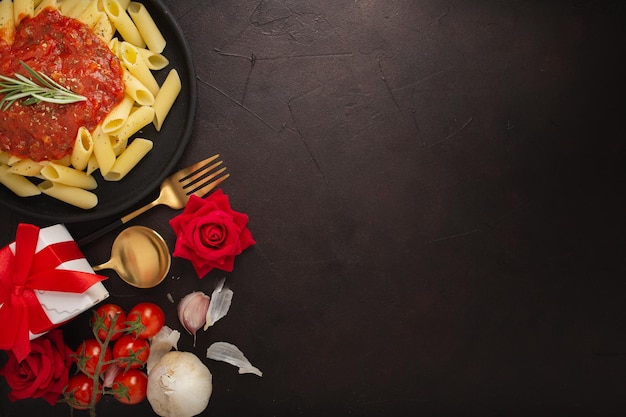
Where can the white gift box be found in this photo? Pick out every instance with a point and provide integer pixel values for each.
(61, 307)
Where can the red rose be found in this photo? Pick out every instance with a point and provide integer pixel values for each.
(210, 233)
(45, 371)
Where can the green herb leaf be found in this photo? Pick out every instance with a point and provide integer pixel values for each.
(42, 88)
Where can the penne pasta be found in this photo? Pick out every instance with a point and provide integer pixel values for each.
(103, 150)
(119, 144)
(165, 98)
(22, 9)
(123, 23)
(68, 176)
(73, 8)
(45, 4)
(90, 14)
(137, 90)
(65, 161)
(147, 28)
(104, 28)
(92, 165)
(153, 60)
(114, 46)
(83, 149)
(139, 118)
(4, 158)
(17, 183)
(137, 66)
(13, 159)
(26, 167)
(118, 116)
(7, 22)
(68, 194)
(129, 159)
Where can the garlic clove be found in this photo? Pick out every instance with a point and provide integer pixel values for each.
(192, 311)
(221, 298)
(109, 375)
(229, 353)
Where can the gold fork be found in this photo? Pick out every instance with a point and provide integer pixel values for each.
(197, 179)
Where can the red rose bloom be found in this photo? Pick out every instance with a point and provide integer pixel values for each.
(45, 371)
(210, 233)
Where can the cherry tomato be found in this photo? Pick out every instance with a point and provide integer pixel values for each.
(128, 347)
(88, 355)
(151, 316)
(105, 313)
(79, 390)
(136, 383)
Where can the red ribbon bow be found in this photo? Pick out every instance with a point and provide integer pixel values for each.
(26, 271)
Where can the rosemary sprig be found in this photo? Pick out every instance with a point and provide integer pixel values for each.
(44, 89)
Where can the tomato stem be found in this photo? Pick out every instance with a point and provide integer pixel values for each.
(101, 362)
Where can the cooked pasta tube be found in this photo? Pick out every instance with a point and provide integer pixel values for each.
(165, 99)
(26, 167)
(45, 4)
(4, 158)
(137, 66)
(124, 3)
(114, 46)
(103, 150)
(147, 28)
(104, 28)
(68, 176)
(123, 23)
(128, 159)
(83, 148)
(68, 194)
(153, 60)
(65, 161)
(22, 9)
(7, 23)
(137, 90)
(139, 118)
(21, 186)
(118, 116)
(119, 144)
(90, 14)
(13, 159)
(92, 165)
(72, 8)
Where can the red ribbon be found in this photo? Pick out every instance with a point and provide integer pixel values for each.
(26, 271)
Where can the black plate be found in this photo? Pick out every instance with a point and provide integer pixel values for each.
(169, 144)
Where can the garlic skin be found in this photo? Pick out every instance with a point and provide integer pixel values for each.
(160, 344)
(192, 312)
(221, 298)
(179, 385)
(229, 353)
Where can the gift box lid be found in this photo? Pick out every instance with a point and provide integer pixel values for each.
(61, 307)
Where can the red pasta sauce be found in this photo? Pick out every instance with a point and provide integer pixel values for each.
(71, 54)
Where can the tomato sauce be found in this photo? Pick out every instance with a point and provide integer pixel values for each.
(71, 54)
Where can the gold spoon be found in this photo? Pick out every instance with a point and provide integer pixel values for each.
(140, 257)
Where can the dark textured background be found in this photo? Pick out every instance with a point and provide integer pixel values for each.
(436, 189)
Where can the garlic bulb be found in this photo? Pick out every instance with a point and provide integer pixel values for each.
(179, 385)
(192, 311)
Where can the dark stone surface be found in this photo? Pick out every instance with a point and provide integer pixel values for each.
(436, 189)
